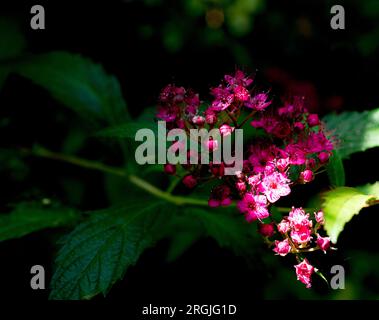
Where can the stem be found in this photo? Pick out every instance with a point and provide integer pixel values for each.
(232, 118)
(173, 184)
(88, 164)
(141, 183)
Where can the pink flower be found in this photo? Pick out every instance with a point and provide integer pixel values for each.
(223, 99)
(266, 229)
(190, 181)
(275, 185)
(317, 142)
(241, 186)
(258, 102)
(301, 234)
(298, 218)
(198, 120)
(313, 120)
(304, 272)
(172, 94)
(168, 113)
(296, 154)
(170, 168)
(226, 130)
(210, 116)
(241, 93)
(239, 79)
(284, 226)
(220, 196)
(319, 216)
(254, 180)
(323, 243)
(282, 164)
(306, 176)
(282, 248)
(254, 207)
(292, 109)
(192, 100)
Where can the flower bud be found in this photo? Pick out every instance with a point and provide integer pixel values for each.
(299, 126)
(189, 181)
(313, 120)
(319, 216)
(306, 176)
(323, 243)
(266, 229)
(210, 117)
(170, 168)
(323, 157)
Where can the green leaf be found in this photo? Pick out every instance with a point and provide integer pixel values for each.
(228, 229)
(340, 205)
(356, 131)
(12, 44)
(126, 130)
(12, 41)
(183, 231)
(30, 217)
(180, 243)
(78, 83)
(98, 252)
(371, 189)
(335, 170)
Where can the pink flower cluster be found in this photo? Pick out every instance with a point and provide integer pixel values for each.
(299, 234)
(292, 147)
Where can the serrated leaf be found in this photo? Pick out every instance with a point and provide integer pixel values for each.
(228, 229)
(356, 131)
(97, 253)
(31, 217)
(340, 205)
(335, 170)
(78, 83)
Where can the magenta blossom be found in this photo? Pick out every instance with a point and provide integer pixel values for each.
(223, 99)
(258, 102)
(254, 207)
(301, 234)
(284, 226)
(304, 272)
(319, 216)
(239, 79)
(275, 185)
(323, 243)
(282, 248)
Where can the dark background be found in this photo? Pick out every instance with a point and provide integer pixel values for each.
(291, 49)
